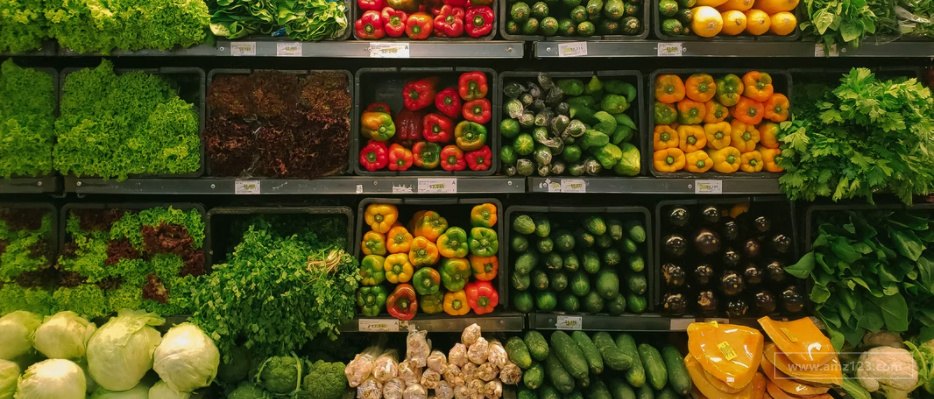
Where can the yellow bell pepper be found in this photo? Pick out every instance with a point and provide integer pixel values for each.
(423, 252)
(718, 135)
(381, 217)
(373, 243)
(665, 137)
(770, 159)
(669, 160)
(415, 218)
(455, 303)
(398, 240)
(697, 162)
(743, 137)
(725, 160)
(691, 138)
(398, 269)
(768, 134)
(431, 226)
(751, 162)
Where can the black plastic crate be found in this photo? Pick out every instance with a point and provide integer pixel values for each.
(129, 206)
(781, 81)
(191, 87)
(765, 37)
(497, 15)
(457, 212)
(782, 215)
(237, 71)
(641, 212)
(384, 85)
(504, 18)
(635, 110)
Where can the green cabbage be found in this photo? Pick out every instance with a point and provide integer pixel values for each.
(162, 391)
(16, 331)
(9, 372)
(121, 351)
(187, 358)
(63, 336)
(52, 379)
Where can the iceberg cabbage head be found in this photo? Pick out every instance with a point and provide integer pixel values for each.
(16, 331)
(52, 379)
(187, 359)
(121, 351)
(9, 373)
(64, 335)
(162, 391)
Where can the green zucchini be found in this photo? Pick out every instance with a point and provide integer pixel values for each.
(538, 347)
(667, 393)
(635, 375)
(645, 392)
(591, 353)
(570, 354)
(534, 376)
(678, 377)
(518, 352)
(654, 366)
(614, 358)
(548, 392)
(559, 377)
(526, 393)
(525, 263)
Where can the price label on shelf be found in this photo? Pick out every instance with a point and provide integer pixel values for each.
(402, 188)
(289, 49)
(359, 189)
(378, 325)
(679, 324)
(822, 51)
(670, 49)
(389, 50)
(573, 186)
(247, 187)
(242, 49)
(569, 323)
(572, 49)
(447, 185)
(708, 186)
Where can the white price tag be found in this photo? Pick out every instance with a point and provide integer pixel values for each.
(447, 185)
(379, 325)
(289, 49)
(402, 189)
(241, 49)
(246, 187)
(680, 324)
(359, 189)
(573, 186)
(572, 49)
(389, 50)
(570, 323)
(550, 186)
(821, 51)
(670, 49)
(708, 186)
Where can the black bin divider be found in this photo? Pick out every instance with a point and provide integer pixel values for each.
(743, 37)
(646, 218)
(408, 206)
(388, 89)
(781, 80)
(644, 18)
(404, 38)
(52, 239)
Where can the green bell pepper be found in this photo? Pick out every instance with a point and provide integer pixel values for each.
(607, 123)
(614, 104)
(453, 243)
(455, 273)
(571, 87)
(371, 270)
(469, 136)
(608, 155)
(483, 241)
(621, 88)
(371, 300)
(432, 303)
(426, 281)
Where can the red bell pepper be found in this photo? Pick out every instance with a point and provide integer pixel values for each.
(400, 158)
(452, 158)
(371, 4)
(419, 93)
(418, 26)
(427, 155)
(455, 3)
(477, 111)
(478, 21)
(450, 22)
(402, 302)
(394, 21)
(448, 102)
(370, 26)
(437, 128)
(435, 10)
(479, 159)
(378, 107)
(472, 85)
(408, 127)
(374, 156)
(481, 296)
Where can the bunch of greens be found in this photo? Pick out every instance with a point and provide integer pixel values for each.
(94, 26)
(310, 20)
(25, 258)
(22, 25)
(113, 126)
(283, 284)
(839, 22)
(26, 121)
(871, 271)
(915, 17)
(869, 135)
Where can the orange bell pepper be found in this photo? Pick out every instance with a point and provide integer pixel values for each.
(698, 162)
(398, 240)
(691, 138)
(751, 162)
(700, 87)
(748, 111)
(669, 89)
(373, 243)
(743, 137)
(777, 108)
(725, 160)
(423, 253)
(716, 112)
(758, 86)
(691, 112)
(430, 225)
(455, 303)
(718, 135)
(484, 267)
(483, 215)
(669, 160)
(768, 134)
(665, 137)
(381, 217)
(770, 159)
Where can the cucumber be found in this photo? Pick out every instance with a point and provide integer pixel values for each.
(636, 374)
(540, 280)
(614, 229)
(553, 261)
(611, 257)
(654, 366)
(523, 302)
(546, 301)
(598, 390)
(559, 281)
(545, 245)
(636, 303)
(574, 395)
(591, 262)
(520, 282)
(603, 241)
(630, 246)
(678, 378)
(636, 231)
(548, 392)
(580, 284)
(518, 352)
(526, 393)
(667, 393)
(571, 263)
(570, 355)
(523, 224)
(520, 243)
(607, 284)
(542, 226)
(636, 263)
(583, 239)
(569, 302)
(525, 263)
(595, 225)
(557, 375)
(594, 303)
(564, 240)
(616, 306)
(614, 358)
(534, 376)
(591, 353)
(538, 347)
(645, 392)
(637, 283)
(620, 389)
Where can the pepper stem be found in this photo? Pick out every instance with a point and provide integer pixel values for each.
(456, 304)
(403, 303)
(670, 160)
(483, 301)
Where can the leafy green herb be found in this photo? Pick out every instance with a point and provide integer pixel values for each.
(839, 22)
(310, 20)
(26, 120)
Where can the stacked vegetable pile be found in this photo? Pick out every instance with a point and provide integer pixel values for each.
(473, 368)
(586, 124)
(422, 257)
(575, 18)
(596, 366)
(718, 260)
(577, 260)
(426, 122)
(276, 124)
(283, 376)
(307, 20)
(709, 18)
(25, 259)
(113, 126)
(867, 136)
(733, 119)
(421, 20)
(107, 362)
(26, 122)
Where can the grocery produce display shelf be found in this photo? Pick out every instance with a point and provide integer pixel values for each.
(648, 185)
(323, 186)
(751, 48)
(332, 49)
(496, 322)
(605, 322)
(30, 185)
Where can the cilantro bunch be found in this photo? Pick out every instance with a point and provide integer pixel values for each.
(26, 120)
(867, 136)
(23, 25)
